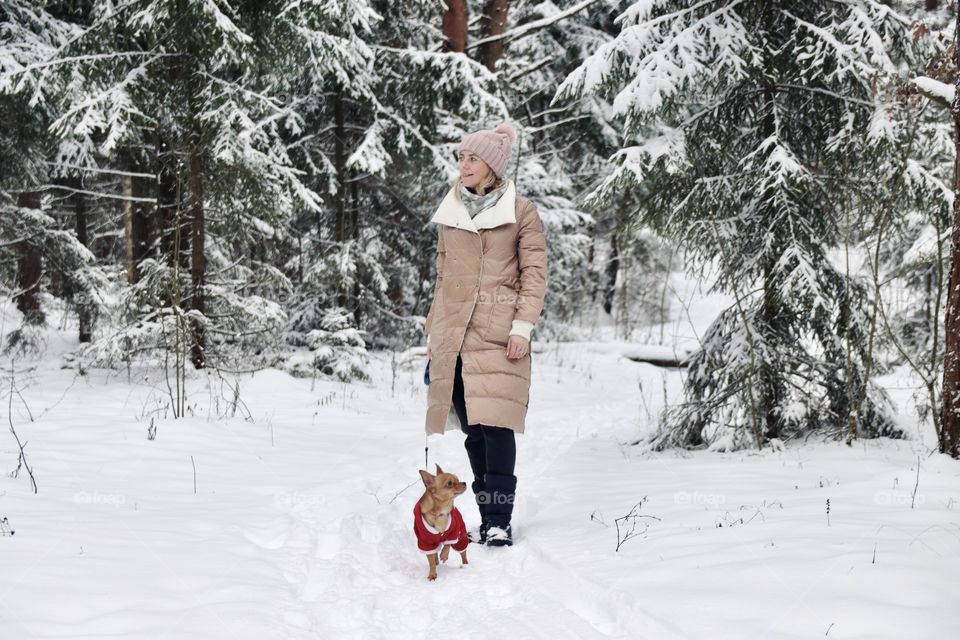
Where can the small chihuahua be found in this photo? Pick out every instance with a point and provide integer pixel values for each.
(436, 522)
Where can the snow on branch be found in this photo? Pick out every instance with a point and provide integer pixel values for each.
(454, 73)
(109, 110)
(940, 93)
(359, 13)
(224, 23)
(858, 50)
(530, 28)
(660, 55)
(634, 162)
(347, 59)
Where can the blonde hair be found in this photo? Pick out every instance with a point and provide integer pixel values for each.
(490, 183)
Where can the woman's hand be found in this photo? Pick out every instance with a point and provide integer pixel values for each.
(517, 347)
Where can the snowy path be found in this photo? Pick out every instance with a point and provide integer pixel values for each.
(364, 579)
(300, 526)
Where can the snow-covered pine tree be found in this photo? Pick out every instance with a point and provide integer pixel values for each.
(556, 164)
(189, 92)
(913, 249)
(949, 435)
(284, 123)
(226, 143)
(562, 154)
(36, 250)
(744, 121)
(387, 136)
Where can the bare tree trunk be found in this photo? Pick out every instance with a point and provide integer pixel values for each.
(950, 429)
(355, 236)
(198, 259)
(494, 23)
(167, 205)
(340, 164)
(135, 223)
(83, 305)
(29, 267)
(395, 288)
(174, 242)
(611, 270)
(455, 26)
(770, 392)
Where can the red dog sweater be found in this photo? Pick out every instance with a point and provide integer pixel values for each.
(429, 540)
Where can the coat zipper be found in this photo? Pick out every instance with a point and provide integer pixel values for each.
(479, 285)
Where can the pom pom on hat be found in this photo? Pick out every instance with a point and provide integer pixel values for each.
(507, 130)
(493, 146)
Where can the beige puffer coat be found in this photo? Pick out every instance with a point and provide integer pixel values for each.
(491, 270)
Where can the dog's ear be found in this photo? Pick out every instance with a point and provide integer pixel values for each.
(427, 478)
(439, 470)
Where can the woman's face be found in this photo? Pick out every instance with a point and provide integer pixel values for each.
(473, 170)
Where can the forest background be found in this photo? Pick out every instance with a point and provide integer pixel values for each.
(226, 186)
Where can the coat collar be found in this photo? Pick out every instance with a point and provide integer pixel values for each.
(453, 213)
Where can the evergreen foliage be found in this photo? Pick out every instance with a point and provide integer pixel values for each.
(249, 184)
(746, 121)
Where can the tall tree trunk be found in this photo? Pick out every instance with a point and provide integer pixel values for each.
(198, 259)
(340, 164)
(395, 288)
(455, 26)
(611, 270)
(770, 394)
(168, 203)
(174, 241)
(29, 267)
(83, 305)
(770, 391)
(950, 423)
(494, 23)
(355, 236)
(136, 221)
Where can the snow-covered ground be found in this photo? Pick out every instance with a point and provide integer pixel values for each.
(292, 518)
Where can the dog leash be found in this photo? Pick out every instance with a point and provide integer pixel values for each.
(426, 436)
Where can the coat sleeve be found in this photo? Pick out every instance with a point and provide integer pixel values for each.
(441, 254)
(532, 254)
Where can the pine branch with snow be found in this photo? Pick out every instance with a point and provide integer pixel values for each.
(751, 126)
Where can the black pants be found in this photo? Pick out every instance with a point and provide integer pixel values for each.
(491, 450)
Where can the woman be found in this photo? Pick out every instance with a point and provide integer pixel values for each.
(491, 281)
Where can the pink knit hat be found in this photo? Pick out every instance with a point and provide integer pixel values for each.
(492, 146)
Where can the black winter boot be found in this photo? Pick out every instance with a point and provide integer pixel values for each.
(482, 496)
(502, 489)
(499, 536)
(479, 535)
